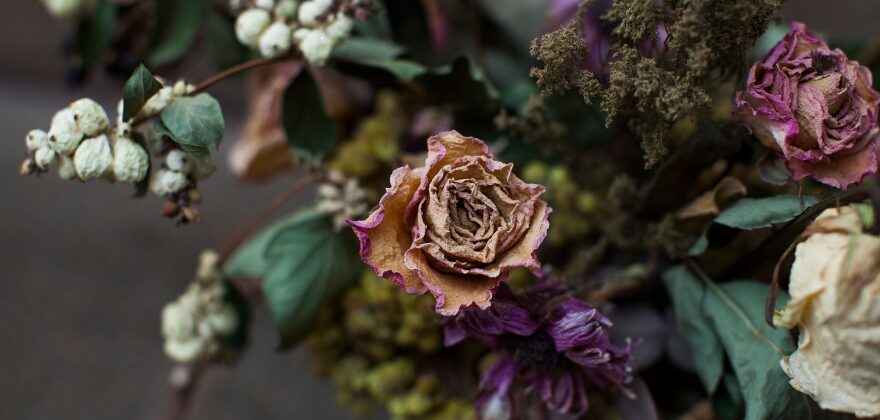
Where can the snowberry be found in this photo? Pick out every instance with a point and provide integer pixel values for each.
(64, 133)
(182, 88)
(178, 160)
(340, 28)
(224, 320)
(285, 8)
(90, 117)
(265, 4)
(310, 11)
(66, 170)
(275, 40)
(93, 158)
(186, 351)
(64, 9)
(316, 46)
(166, 182)
(36, 139)
(130, 160)
(45, 157)
(250, 25)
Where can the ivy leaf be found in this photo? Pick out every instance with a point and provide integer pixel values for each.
(138, 89)
(93, 35)
(194, 122)
(754, 213)
(308, 263)
(367, 49)
(309, 130)
(176, 28)
(687, 294)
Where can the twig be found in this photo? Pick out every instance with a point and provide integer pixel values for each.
(245, 231)
(183, 381)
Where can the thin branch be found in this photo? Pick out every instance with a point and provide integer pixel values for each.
(183, 382)
(245, 231)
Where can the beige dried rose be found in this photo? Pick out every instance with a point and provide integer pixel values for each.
(455, 227)
(835, 302)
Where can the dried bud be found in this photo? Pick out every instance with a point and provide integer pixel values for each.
(93, 158)
(250, 24)
(130, 160)
(170, 209)
(90, 117)
(190, 214)
(834, 302)
(64, 133)
(27, 167)
(194, 195)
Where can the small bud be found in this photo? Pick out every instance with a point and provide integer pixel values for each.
(195, 196)
(36, 139)
(316, 46)
(64, 133)
(250, 24)
(158, 102)
(90, 117)
(190, 214)
(27, 167)
(170, 209)
(166, 182)
(275, 40)
(45, 157)
(93, 158)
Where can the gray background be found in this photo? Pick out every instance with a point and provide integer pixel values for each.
(84, 270)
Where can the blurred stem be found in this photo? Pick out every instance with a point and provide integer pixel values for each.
(245, 231)
(183, 381)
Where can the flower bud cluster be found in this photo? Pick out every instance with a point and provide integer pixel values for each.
(343, 198)
(314, 27)
(176, 180)
(196, 325)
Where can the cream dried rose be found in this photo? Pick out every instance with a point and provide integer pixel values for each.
(835, 302)
(456, 226)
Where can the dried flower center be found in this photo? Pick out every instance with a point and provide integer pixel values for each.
(536, 351)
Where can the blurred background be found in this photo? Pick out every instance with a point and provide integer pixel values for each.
(85, 270)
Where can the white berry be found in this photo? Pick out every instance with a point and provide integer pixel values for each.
(90, 116)
(265, 4)
(340, 28)
(275, 40)
(224, 320)
(64, 9)
(250, 24)
(158, 102)
(286, 8)
(45, 157)
(186, 351)
(64, 133)
(66, 170)
(36, 139)
(310, 11)
(316, 46)
(93, 158)
(178, 160)
(130, 160)
(166, 182)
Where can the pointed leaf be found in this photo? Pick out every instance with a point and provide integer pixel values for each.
(194, 121)
(754, 213)
(138, 89)
(309, 130)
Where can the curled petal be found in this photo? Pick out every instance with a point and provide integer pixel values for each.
(384, 236)
(452, 291)
(494, 403)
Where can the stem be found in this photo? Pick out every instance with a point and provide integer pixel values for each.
(211, 81)
(245, 231)
(183, 382)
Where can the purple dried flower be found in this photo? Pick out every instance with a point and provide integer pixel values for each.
(815, 108)
(555, 345)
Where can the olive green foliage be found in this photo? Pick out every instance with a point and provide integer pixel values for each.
(385, 348)
(705, 42)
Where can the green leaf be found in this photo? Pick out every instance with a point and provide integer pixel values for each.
(308, 264)
(194, 121)
(94, 33)
(309, 130)
(250, 259)
(687, 294)
(520, 19)
(754, 213)
(367, 49)
(138, 89)
(736, 312)
(175, 32)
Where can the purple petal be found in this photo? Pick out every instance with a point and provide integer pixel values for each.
(493, 402)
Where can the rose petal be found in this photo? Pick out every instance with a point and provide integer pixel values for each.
(494, 403)
(452, 291)
(385, 236)
(839, 171)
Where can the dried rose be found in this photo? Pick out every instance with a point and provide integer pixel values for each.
(815, 108)
(456, 226)
(834, 288)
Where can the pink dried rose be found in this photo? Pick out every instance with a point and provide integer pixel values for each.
(814, 107)
(456, 226)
